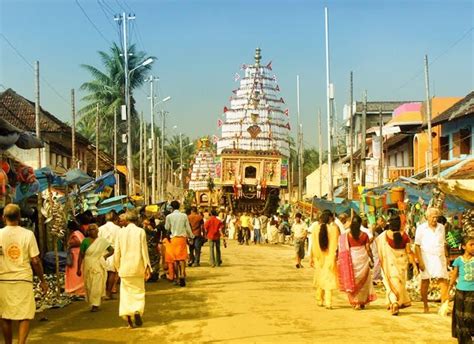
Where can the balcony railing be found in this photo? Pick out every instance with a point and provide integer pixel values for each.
(395, 172)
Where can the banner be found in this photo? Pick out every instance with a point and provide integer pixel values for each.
(284, 172)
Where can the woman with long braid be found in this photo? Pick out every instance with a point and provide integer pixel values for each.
(323, 258)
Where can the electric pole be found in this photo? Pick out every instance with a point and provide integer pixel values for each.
(97, 133)
(329, 95)
(73, 130)
(299, 141)
(153, 140)
(117, 180)
(351, 142)
(362, 143)
(381, 147)
(429, 158)
(320, 137)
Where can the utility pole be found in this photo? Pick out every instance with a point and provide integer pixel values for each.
(351, 142)
(73, 131)
(117, 181)
(181, 160)
(163, 160)
(41, 227)
(158, 168)
(97, 133)
(153, 141)
(320, 138)
(328, 100)
(362, 143)
(145, 164)
(299, 148)
(381, 147)
(141, 152)
(429, 162)
(124, 21)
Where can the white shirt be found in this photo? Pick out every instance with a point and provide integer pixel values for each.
(431, 241)
(256, 223)
(339, 224)
(131, 251)
(366, 231)
(17, 247)
(178, 224)
(109, 232)
(299, 229)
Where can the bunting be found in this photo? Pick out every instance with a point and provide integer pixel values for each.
(234, 91)
(288, 126)
(286, 112)
(269, 65)
(243, 67)
(220, 122)
(274, 78)
(282, 101)
(225, 109)
(215, 139)
(277, 88)
(236, 77)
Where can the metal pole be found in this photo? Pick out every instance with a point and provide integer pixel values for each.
(73, 130)
(429, 162)
(300, 172)
(41, 227)
(351, 143)
(381, 147)
(153, 144)
(181, 160)
(145, 164)
(163, 161)
(117, 183)
(158, 167)
(328, 104)
(140, 159)
(362, 143)
(97, 133)
(320, 134)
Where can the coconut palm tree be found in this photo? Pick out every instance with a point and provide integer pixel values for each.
(107, 88)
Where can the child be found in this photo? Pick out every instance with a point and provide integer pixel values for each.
(463, 311)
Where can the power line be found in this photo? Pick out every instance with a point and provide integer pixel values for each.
(421, 70)
(92, 23)
(33, 68)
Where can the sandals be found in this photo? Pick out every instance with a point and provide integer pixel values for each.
(394, 308)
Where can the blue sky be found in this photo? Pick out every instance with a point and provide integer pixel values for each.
(201, 44)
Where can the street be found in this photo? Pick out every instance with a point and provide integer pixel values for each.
(257, 296)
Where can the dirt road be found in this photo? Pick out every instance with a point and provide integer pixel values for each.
(257, 296)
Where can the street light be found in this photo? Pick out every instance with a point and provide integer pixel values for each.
(131, 184)
(154, 164)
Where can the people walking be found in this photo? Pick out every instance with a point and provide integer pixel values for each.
(300, 232)
(93, 253)
(74, 284)
(323, 258)
(257, 228)
(245, 228)
(133, 265)
(178, 224)
(214, 227)
(109, 232)
(394, 253)
(196, 222)
(463, 277)
(18, 255)
(354, 267)
(431, 254)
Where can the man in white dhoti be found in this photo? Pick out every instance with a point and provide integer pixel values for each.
(109, 232)
(18, 249)
(133, 266)
(431, 254)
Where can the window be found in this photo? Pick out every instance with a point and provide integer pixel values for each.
(444, 147)
(250, 172)
(465, 138)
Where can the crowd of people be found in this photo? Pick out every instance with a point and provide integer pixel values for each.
(120, 252)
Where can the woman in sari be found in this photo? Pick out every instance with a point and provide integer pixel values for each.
(394, 254)
(323, 258)
(361, 291)
(94, 252)
(74, 285)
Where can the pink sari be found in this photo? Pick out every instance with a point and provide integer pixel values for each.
(74, 285)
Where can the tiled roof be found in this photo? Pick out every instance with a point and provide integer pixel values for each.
(464, 107)
(465, 171)
(386, 106)
(406, 118)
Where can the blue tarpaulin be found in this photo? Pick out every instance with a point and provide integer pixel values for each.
(98, 185)
(117, 203)
(338, 206)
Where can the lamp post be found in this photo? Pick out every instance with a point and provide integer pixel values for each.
(153, 143)
(131, 184)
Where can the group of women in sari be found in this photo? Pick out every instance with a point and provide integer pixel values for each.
(344, 261)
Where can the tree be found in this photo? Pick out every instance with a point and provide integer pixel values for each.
(107, 88)
(173, 150)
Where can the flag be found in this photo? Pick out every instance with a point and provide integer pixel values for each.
(244, 67)
(215, 139)
(225, 109)
(282, 101)
(220, 122)
(234, 91)
(288, 126)
(274, 78)
(277, 88)
(236, 76)
(269, 65)
(286, 112)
